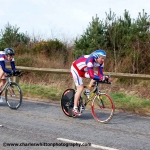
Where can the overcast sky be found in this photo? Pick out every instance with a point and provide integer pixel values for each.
(63, 18)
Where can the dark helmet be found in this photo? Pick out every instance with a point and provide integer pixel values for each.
(9, 51)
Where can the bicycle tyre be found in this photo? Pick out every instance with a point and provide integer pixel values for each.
(13, 95)
(67, 102)
(103, 108)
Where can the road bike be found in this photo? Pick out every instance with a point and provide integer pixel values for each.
(13, 92)
(102, 105)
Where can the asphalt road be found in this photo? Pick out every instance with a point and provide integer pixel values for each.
(38, 125)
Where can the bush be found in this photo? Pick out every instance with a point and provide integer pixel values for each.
(52, 49)
(24, 61)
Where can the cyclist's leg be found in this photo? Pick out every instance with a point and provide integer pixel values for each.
(2, 82)
(79, 85)
(77, 95)
(86, 75)
(2, 76)
(91, 83)
(89, 86)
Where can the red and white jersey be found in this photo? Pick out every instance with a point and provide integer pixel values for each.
(87, 63)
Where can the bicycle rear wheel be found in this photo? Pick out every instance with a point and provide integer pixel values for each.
(67, 102)
(13, 95)
(103, 108)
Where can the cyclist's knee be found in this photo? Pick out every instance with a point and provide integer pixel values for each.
(80, 87)
(1, 73)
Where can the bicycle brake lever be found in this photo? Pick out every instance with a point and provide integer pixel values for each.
(8, 75)
(19, 75)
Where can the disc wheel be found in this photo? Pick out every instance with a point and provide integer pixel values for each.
(67, 102)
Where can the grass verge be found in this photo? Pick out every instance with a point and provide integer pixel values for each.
(123, 102)
(41, 92)
(130, 103)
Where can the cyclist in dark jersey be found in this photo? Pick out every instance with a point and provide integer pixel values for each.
(6, 56)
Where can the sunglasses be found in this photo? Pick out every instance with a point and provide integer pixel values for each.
(10, 56)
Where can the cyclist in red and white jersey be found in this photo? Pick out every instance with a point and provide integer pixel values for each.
(83, 67)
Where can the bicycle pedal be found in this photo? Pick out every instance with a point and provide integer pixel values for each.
(82, 108)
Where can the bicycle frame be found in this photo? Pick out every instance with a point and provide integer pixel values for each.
(94, 93)
(8, 80)
(13, 92)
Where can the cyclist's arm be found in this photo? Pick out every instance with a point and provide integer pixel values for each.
(100, 72)
(90, 69)
(2, 63)
(13, 65)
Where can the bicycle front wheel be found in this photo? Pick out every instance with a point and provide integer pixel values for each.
(13, 95)
(103, 108)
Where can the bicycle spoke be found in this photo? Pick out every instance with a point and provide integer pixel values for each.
(13, 96)
(102, 108)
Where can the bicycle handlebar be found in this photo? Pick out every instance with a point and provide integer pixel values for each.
(102, 82)
(97, 82)
(11, 75)
(106, 82)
